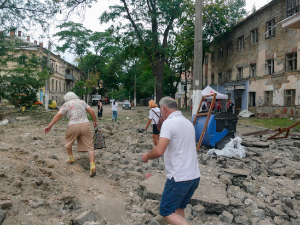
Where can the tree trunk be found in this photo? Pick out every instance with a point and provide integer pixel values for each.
(159, 70)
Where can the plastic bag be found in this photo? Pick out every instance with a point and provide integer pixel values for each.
(232, 148)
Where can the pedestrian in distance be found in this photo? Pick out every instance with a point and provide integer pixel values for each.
(114, 108)
(78, 128)
(230, 107)
(204, 105)
(154, 114)
(219, 106)
(177, 143)
(100, 109)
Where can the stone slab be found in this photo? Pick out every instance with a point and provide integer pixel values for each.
(23, 118)
(214, 199)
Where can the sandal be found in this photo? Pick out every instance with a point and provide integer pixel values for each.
(92, 172)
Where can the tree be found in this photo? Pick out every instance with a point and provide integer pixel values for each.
(29, 13)
(151, 22)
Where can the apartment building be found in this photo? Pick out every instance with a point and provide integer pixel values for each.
(256, 64)
(64, 75)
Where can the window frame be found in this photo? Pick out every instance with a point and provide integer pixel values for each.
(270, 28)
(251, 70)
(220, 53)
(254, 33)
(251, 102)
(240, 43)
(291, 95)
(268, 95)
(292, 60)
(239, 73)
(272, 67)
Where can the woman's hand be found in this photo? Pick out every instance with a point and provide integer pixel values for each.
(146, 127)
(47, 129)
(95, 124)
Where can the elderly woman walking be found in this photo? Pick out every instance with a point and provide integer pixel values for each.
(154, 114)
(78, 128)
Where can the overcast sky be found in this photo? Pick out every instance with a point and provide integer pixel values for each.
(91, 20)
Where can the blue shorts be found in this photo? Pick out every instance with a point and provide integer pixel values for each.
(177, 195)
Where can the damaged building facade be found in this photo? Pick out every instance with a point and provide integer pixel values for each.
(256, 64)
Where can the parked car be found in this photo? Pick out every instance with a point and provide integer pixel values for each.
(126, 105)
(95, 99)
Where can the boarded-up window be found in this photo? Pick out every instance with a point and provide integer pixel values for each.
(268, 98)
(251, 101)
(289, 98)
(291, 62)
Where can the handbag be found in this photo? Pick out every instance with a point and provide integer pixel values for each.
(160, 121)
(99, 141)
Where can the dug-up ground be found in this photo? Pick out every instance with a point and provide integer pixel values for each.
(38, 187)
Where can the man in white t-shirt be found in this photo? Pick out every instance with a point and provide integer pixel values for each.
(177, 143)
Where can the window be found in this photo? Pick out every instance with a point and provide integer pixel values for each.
(212, 57)
(182, 86)
(59, 69)
(220, 53)
(292, 7)
(270, 66)
(291, 62)
(240, 43)
(56, 68)
(228, 78)
(60, 86)
(270, 28)
(212, 79)
(268, 98)
(251, 101)
(253, 70)
(52, 65)
(56, 86)
(254, 36)
(229, 48)
(52, 85)
(289, 97)
(219, 78)
(206, 60)
(206, 81)
(240, 73)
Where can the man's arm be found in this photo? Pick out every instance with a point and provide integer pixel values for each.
(158, 151)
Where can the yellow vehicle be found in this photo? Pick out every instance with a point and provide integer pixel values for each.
(52, 104)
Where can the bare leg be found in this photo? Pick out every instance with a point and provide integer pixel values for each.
(155, 139)
(180, 212)
(92, 156)
(153, 136)
(175, 219)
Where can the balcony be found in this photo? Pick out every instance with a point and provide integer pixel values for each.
(292, 20)
(69, 77)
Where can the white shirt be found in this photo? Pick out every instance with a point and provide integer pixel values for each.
(180, 156)
(114, 106)
(75, 110)
(154, 118)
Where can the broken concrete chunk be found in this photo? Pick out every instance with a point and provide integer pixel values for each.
(258, 213)
(84, 217)
(2, 216)
(226, 217)
(4, 204)
(152, 206)
(198, 210)
(272, 212)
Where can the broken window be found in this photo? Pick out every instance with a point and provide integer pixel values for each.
(292, 7)
(270, 66)
(220, 53)
(268, 98)
(240, 73)
(212, 56)
(219, 78)
(254, 36)
(253, 70)
(270, 28)
(291, 62)
(240, 43)
(229, 72)
(251, 101)
(289, 97)
(206, 60)
(229, 48)
(212, 79)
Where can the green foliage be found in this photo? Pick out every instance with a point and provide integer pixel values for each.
(79, 88)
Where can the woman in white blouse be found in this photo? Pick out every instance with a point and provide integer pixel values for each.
(114, 108)
(78, 128)
(154, 114)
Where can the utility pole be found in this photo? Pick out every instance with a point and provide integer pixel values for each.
(48, 80)
(197, 76)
